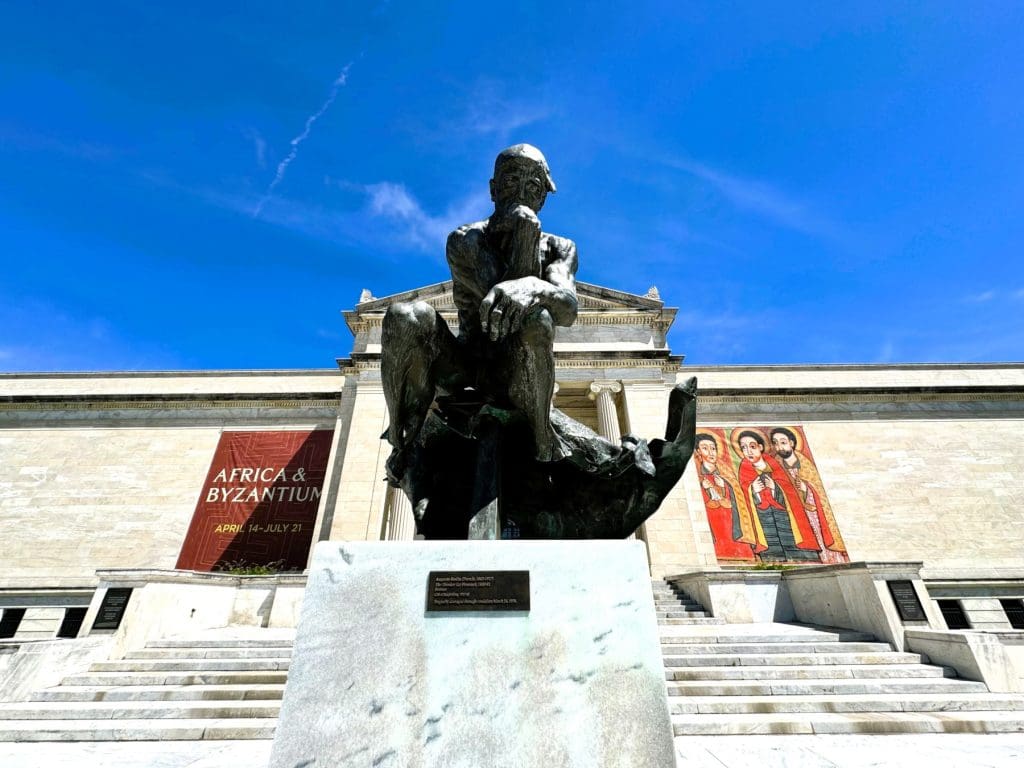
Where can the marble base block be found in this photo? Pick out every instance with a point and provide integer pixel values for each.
(376, 681)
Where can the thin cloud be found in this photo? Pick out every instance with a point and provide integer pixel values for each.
(887, 353)
(46, 337)
(720, 334)
(486, 110)
(388, 220)
(678, 234)
(1019, 294)
(394, 203)
(31, 141)
(759, 198)
(980, 298)
(259, 145)
(282, 167)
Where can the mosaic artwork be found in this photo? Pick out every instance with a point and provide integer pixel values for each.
(764, 497)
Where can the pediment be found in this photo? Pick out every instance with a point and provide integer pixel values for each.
(591, 297)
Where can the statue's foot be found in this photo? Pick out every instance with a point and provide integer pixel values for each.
(395, 466)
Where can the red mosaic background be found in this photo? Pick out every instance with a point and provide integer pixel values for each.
(259, 502)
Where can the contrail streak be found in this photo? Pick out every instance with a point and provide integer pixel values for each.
(339, 81)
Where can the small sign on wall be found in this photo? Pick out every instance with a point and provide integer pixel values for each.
(112, 608)
(905, 597)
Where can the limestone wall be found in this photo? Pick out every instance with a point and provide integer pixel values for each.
(104, 470)
(919, 463)
(949, 492)
(76, 499)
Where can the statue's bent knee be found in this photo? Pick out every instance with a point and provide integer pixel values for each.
(539, 327)
(408, 318)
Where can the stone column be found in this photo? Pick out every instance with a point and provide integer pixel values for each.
(603, 392)
(400, 526)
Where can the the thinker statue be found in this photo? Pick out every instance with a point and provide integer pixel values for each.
(513, 284)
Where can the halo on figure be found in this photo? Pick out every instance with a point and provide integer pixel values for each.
(719, 443)
(790, 432)
(734, 439)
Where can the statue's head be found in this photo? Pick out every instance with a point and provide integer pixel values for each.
(521, 177)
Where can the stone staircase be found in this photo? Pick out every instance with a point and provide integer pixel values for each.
(788, 678)
(721, 679)
(674, 607)
(220, 686)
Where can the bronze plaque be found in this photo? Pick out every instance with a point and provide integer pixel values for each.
(478, 591)
(905, 597)
(112, 608)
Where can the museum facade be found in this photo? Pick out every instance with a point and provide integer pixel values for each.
(243, 471)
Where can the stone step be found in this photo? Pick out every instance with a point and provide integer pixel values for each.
(681, 614)
(795, 673)
(671, 594)
(789, 659)
(694, 621)
(672, 599)
(824, 687)
(879, 702)
(211, 653)
(137, 730)
(175, 678)
(689, 607)
(736, 638)
(679, 647)
(139, 710)
(207, 642)
(190, 665)
(854, 722)
(254, 691)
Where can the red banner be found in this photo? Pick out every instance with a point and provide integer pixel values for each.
(259, 502)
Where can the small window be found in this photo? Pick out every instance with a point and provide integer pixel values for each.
(73, 618)
(1014, 612)
(954, 614)
(10, 620)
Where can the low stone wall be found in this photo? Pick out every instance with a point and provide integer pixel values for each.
(738, 597)
(41, 664)
(978, 656)
(855, 596)
(182, 603)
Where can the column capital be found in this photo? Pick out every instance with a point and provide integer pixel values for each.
(597, 387)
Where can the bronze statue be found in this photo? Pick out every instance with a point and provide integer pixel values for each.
(491, 388)
(513, 284)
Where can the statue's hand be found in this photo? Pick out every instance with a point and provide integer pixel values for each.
(519, 216)
(506, 304)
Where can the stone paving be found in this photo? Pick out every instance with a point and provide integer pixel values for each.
(939, 751)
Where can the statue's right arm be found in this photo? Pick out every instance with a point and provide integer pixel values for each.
(461, 251)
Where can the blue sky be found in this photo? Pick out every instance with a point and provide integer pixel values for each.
(197, 185)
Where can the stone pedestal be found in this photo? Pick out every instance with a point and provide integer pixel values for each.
(377, 681)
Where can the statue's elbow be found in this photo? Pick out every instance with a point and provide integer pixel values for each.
(566, 310)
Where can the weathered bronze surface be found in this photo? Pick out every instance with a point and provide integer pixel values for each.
(492, 458)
